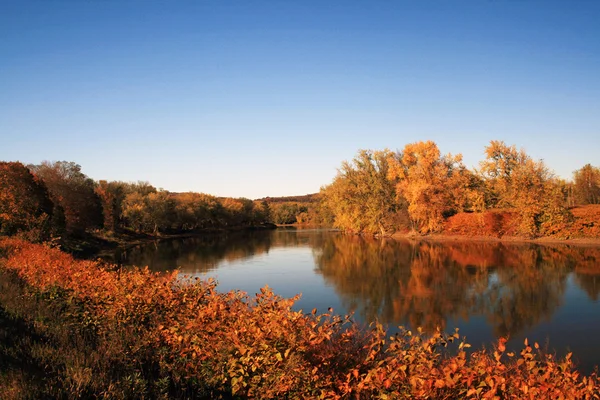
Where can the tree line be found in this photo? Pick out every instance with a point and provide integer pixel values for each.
(378, 192)
(56, 199)
(417, 188)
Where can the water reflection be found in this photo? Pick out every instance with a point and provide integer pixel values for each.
(426, 284)
(201, 254)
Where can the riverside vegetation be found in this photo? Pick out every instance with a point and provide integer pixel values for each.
(80, 329)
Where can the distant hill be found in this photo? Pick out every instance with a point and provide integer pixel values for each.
(307, 198)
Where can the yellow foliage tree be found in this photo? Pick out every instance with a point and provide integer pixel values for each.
(586, 185)
(361, 197)
(432, 184)
(515, 180)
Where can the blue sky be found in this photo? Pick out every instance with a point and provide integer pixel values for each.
(253, 98)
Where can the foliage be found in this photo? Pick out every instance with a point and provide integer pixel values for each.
(362, 198)
(586, 185)
(432, 184)
(286, 213)
(160, 211)
(74, 192)
(514, 180)
(78, 204)
(490, 223)
(586, 222)
(136, 333)
(431, 187)
(149, 213)
(377, 193)
(313, 212)
(304, 210)
(25, 207)
(112, 195)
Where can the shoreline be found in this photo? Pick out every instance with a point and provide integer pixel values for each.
(442, 237)
(97, 244)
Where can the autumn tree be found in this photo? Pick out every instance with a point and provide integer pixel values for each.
(501, 163)
(215, 216)
(158, 211)
(515, 180)
(161, 211)
(25, 206)
(586, 185)
(433, 185)
(361, 197)
(112, 194)
(152, 213)
(142, 187)
(261, 212)
(135, 212)
(286, 212)
(74, 192)
(198, 211)
(191, 211)
(238, 212)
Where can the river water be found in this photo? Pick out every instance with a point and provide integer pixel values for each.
(547, 294)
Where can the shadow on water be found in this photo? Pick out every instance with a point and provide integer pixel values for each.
(488, 289)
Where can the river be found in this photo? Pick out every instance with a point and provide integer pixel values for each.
(546, 293)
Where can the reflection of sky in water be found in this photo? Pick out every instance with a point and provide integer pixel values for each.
(479, 288)
(287, 271)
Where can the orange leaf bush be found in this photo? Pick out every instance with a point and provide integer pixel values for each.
(184, 339)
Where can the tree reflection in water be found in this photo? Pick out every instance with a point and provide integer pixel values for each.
(514, 286)
(427, 284)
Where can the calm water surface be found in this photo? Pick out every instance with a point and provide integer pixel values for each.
(548, 294)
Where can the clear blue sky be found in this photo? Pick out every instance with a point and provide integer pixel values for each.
(251, 98)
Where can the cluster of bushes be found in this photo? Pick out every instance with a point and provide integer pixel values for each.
(583, 224)
(136, 334)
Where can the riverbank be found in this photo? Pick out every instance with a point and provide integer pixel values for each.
(441, 237)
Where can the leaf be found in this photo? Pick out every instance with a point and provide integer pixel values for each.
(501, 345)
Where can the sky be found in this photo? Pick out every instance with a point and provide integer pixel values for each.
(267, 98)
